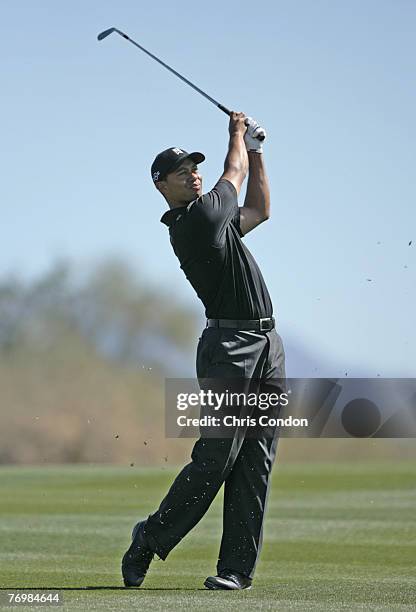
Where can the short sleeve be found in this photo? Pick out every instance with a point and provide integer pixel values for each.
(236, 222)
(215, 210)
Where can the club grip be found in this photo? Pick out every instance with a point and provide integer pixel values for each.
(228, 112)
(224, 109)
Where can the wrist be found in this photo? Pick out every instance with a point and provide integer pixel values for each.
(255, 146)
(236, 134)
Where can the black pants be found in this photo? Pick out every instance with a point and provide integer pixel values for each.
(242, 463)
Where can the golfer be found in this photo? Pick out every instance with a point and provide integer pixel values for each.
(239, 342)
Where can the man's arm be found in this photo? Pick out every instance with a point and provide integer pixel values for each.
(256, 207)
(236, 161)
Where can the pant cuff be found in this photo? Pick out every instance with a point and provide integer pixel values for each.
(233, 567)
(154, 545)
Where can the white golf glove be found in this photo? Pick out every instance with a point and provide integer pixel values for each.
(254, 130)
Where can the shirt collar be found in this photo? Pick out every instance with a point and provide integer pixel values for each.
(173, 214)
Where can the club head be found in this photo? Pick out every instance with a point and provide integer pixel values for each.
(106, 33)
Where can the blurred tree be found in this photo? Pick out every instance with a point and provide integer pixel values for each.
(109, 308)
(83, 357)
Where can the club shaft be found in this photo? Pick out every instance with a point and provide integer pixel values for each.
(184, 79)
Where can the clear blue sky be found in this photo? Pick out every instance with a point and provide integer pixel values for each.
(333, 82)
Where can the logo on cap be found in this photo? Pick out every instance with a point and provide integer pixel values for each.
(177, 151)
(156, 175)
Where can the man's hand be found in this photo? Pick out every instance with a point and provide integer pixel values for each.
(237, 124)
(251, 138)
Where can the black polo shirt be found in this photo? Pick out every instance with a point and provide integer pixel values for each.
(206, 238)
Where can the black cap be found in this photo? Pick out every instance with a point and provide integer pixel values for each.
(170, 159)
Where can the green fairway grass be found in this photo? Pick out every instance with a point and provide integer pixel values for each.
(336, 537)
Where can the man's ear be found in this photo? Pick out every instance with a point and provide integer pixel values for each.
(162, 187)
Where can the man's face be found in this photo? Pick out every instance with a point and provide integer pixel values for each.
(183, 184)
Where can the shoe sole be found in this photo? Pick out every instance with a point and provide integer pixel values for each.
(130, 583)
(135, 584)
(139, 582)
(214, 586)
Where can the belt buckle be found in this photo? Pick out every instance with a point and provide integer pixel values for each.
(265, 324)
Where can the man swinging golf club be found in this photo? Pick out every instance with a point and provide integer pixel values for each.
(239, 342)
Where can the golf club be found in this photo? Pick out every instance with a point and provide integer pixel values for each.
(224, 109)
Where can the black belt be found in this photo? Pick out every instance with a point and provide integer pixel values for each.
(266, 324)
